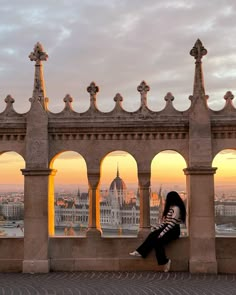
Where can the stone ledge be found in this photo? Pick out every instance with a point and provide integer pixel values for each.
(10, 265)
(114, 264)
(36, 266)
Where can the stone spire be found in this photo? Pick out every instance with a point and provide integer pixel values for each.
(198, 51)
(38, 55)
(117, 173)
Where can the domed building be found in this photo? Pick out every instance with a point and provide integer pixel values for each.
(117, 191)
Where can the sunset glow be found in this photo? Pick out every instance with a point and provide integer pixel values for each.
(166, 170)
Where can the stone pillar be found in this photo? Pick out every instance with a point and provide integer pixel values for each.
(51, 200)
(94, 227)
(36, 220)
(200, 190)
(36, 174)
(200, 175)
(144, 194)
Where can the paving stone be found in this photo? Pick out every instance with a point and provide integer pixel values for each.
(116, 283)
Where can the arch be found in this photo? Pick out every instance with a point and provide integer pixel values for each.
(118, 192)
(166, 175)
(164, 161)
(68, 196)
(12, 194)
(225, 196)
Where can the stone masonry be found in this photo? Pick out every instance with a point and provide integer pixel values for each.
(198, 134)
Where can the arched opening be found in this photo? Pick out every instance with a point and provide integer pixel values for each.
(69, 196)
(119, 203)
(166, 175)
(11, 195)
(225, 192)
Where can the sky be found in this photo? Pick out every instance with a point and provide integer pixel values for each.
(117, 44)
(72, 172)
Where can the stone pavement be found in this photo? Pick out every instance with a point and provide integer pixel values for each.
(116, 283)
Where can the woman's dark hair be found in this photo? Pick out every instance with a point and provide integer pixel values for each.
(174, 199)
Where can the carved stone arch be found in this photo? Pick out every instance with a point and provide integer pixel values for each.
(182, 153)
(218, 151)
(18, 151)
(53, 155)
(222, 146)
(109, 151)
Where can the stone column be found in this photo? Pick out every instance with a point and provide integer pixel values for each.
(51, 207)
(94, 227)
(36, 220)
(144, 194)
(36, 174)
(200, 189)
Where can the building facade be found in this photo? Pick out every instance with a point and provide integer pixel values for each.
(118, 216)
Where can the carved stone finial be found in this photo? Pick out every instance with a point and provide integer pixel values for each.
(143, 87)
(9, 100)
(38, 54)
(169, 97)
(39, 92)
(93, 89)
(118, 98)
(68, 100)
(198, 51)
(228, 96)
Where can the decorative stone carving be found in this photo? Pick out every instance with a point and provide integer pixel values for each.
(118, 98)
(93, 89)
(228, 96)
(68, 102)
(169, 97)
(143, 88)
(38, 55)
(198, 51)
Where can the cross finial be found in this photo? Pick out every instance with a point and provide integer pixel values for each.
(143, 88)
(38, 54)
(228, 96)
(198, 50)
(39, 92)
(93, 89)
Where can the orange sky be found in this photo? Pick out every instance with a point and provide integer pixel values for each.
(167, 169)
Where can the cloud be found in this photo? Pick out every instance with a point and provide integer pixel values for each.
(117, 44)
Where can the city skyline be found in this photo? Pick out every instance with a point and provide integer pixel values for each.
(72, 171)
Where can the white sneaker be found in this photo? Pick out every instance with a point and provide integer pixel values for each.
(135, 253)
(167, 266)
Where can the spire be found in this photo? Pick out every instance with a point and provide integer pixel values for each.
(198, 51)
(117, 173)
(38, 55)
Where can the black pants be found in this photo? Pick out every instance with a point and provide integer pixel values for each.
(152, 241)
